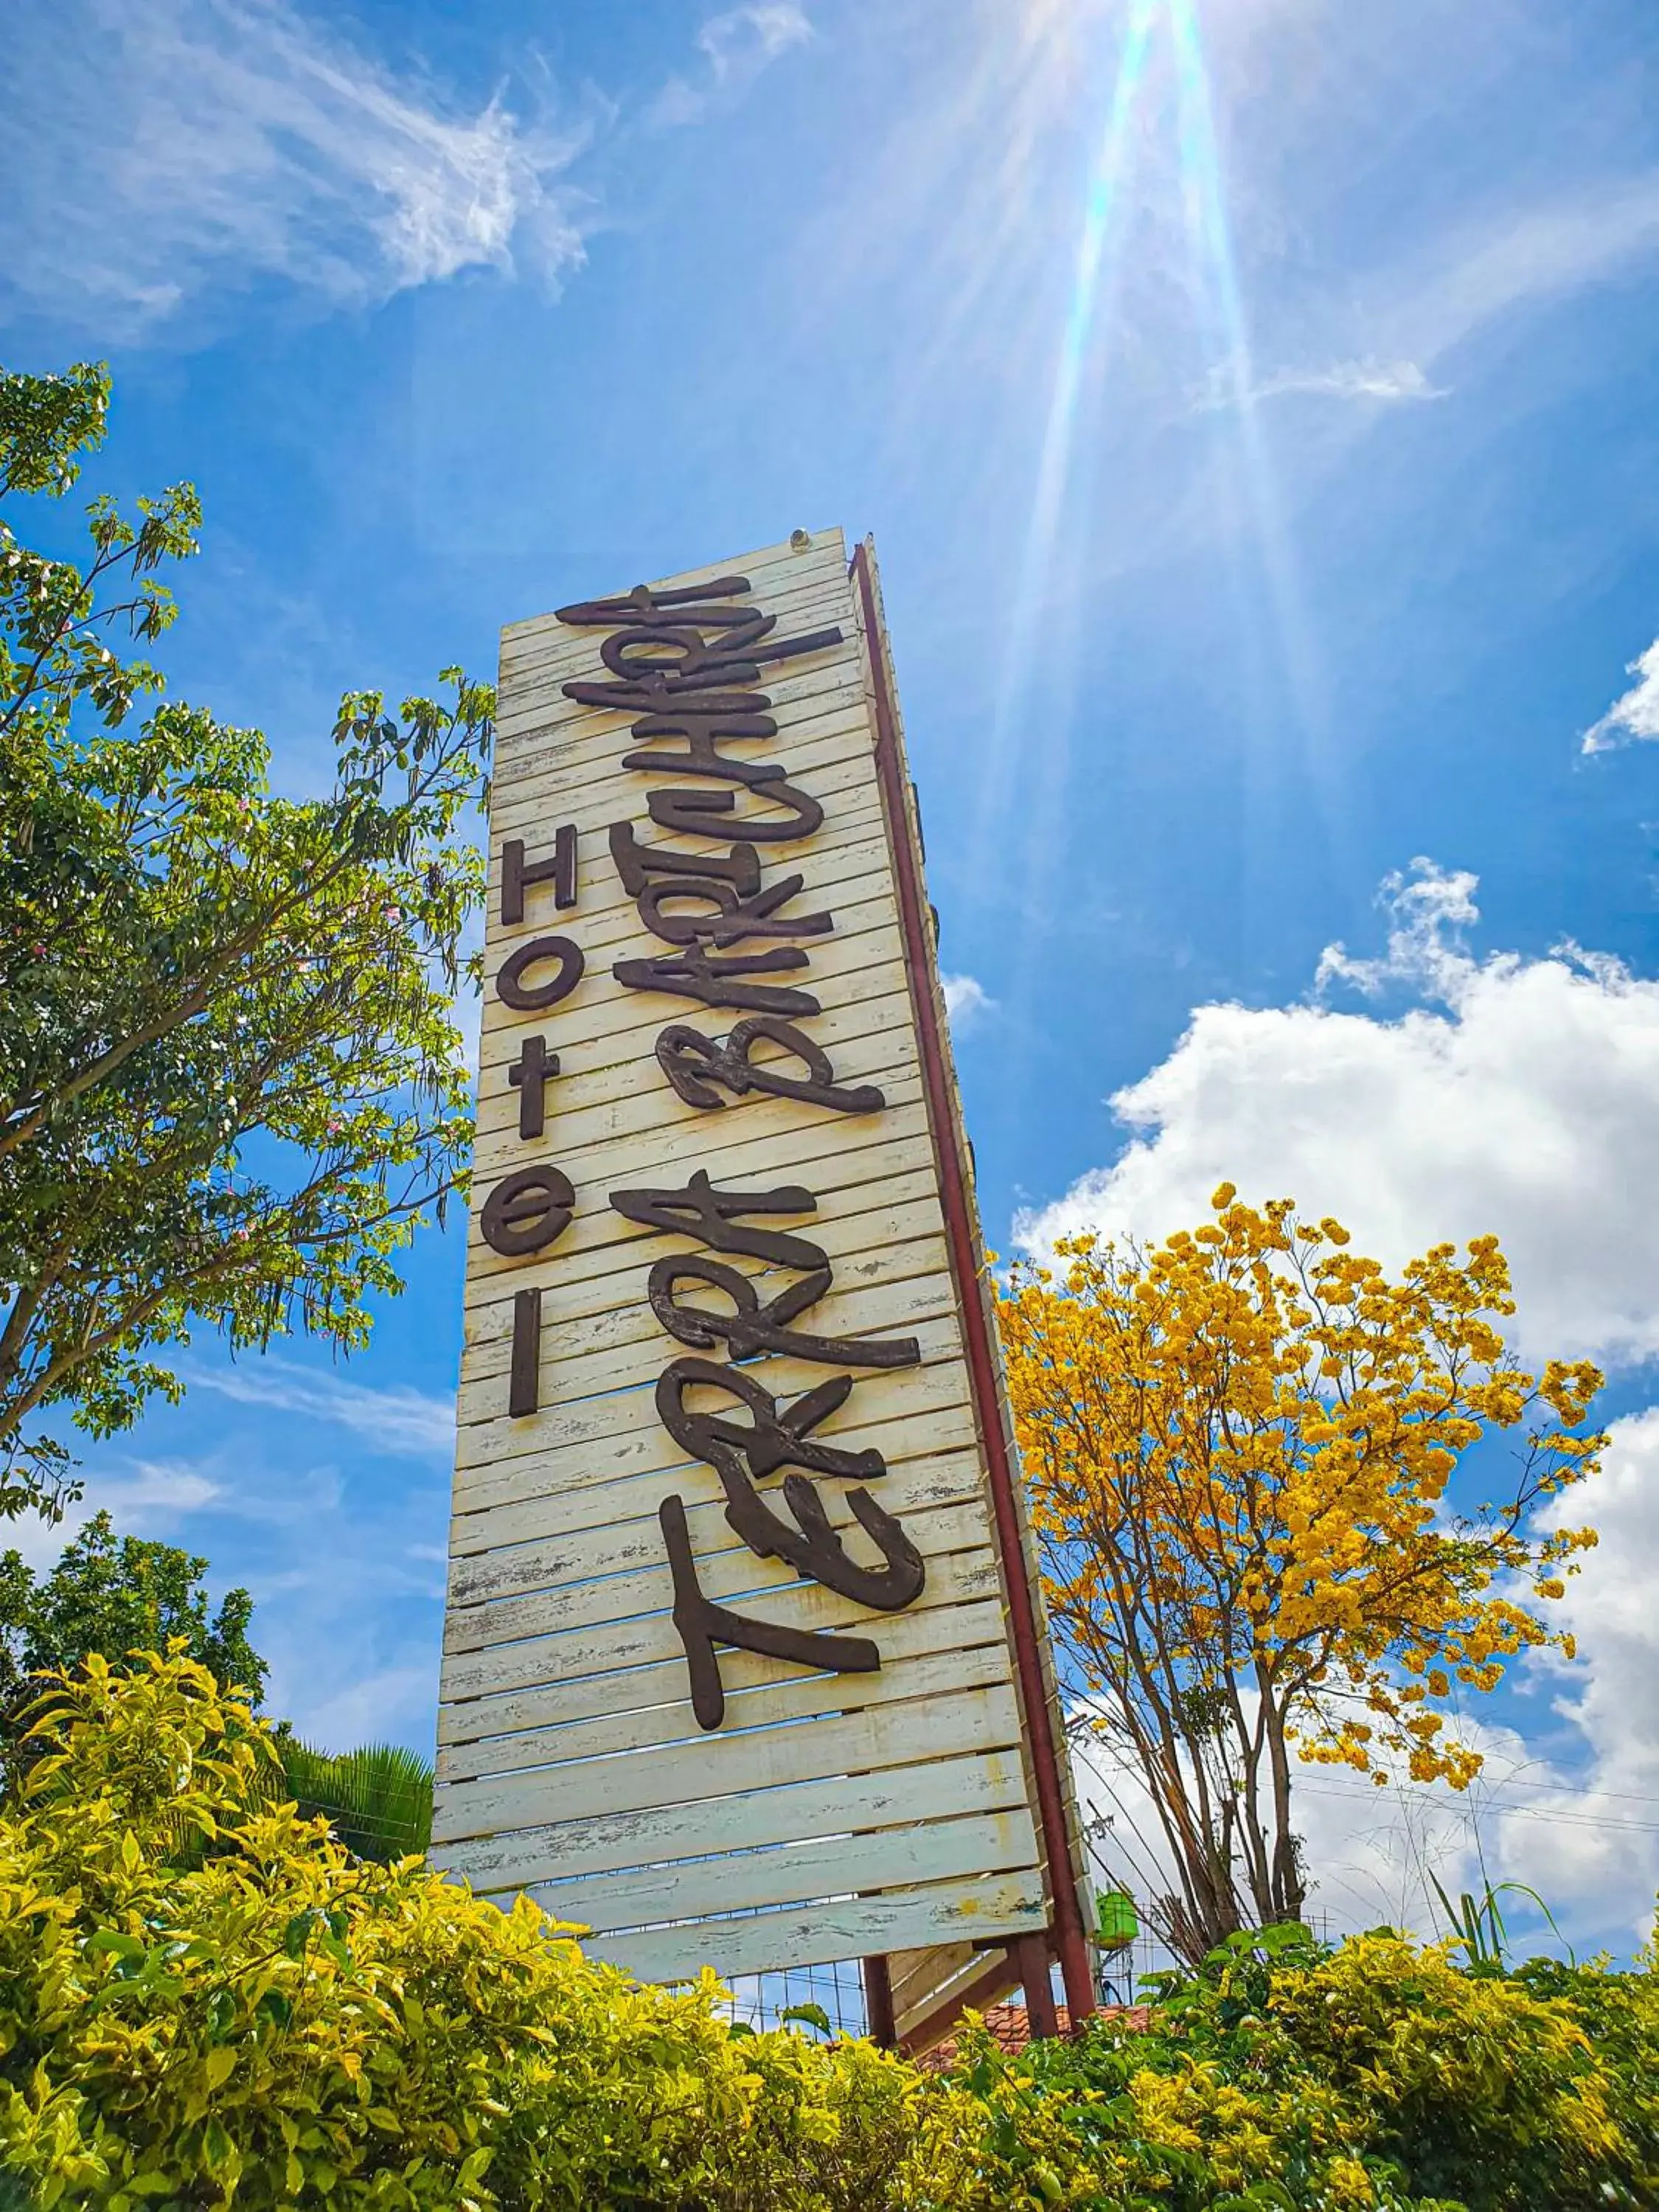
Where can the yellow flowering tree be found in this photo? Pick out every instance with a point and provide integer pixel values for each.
(1239, 1444)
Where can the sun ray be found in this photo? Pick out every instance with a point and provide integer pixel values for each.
(1092, 288)
(1220, 300)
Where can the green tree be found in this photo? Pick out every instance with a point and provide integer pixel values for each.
(231, 1084)
(114, 1596)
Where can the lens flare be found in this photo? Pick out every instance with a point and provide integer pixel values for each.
(1162, 80)
(1091, 291)
(1228, 339)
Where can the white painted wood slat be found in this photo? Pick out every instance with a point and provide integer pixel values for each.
(755, 1820)
(848, 1929)
(830, 1814)
(720, 1764)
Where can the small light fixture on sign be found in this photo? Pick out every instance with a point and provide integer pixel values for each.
(799, 540)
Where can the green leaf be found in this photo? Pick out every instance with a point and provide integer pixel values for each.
(114, 1940)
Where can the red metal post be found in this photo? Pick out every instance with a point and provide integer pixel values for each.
(1071, 1940)
(1030, 1956)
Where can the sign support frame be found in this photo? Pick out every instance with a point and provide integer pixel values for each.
(1069, 1936)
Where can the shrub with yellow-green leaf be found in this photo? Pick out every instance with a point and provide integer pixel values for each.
(205, 2000)
(1377, 2076)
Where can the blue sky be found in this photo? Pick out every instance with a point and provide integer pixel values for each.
(1255, 405)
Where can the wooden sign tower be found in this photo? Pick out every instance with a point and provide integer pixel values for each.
(744, 1662)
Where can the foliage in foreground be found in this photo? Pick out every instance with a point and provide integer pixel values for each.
(1240, 1443)
(283, 2025)
(1292, 2078)
(206, 2000)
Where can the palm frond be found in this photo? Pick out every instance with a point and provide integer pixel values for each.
(378, 1799)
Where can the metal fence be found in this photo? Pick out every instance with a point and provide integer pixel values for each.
(837, 1991)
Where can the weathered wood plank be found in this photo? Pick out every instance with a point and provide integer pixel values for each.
(542, 1662)
(868, 1304)
(727, 1571)
(821, 565)
(666, 1729)
(604, 1423)
(649, 1115)
(981, 1720)
(536, 1480)
(915, 1975)
(850, 1182)
(592, 1070)
(864, 951)
(845, 1805)
(851, 1929)
(808, 600)
(947, 1971)
(537, 710)
(933, 1851)
(476, 1735)
(604, 1370)
(615, 1025)
(623, 1541)
(753, 1155)
(870, 1252)
(828, 750)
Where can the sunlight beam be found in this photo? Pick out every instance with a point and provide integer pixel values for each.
(1084, 313)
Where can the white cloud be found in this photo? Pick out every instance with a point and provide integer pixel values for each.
(736, 44)
(1429, 910)
(188, 138)
(394, 1419)
(1609, 1847)
(148, 1499)
(388, 1706)
(1524, 1101)
(1385, 383)
(1586, 1842)
(160, 1487)
(744, 39)
(1635, 715)
(966, 1000)
(1369, 1853)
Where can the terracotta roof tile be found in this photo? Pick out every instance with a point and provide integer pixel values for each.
(1010, 2030)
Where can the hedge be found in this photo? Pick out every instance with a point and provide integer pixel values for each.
(205, 2000)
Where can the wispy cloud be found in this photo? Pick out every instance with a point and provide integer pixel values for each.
(160, 1486)
(1546, 252)
(235, 136)
(394, 1419)
(1637, 714)
(1386, 383)
(736, 45)
(966, 1000)
(1428, 911)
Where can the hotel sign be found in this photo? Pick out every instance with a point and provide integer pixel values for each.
(742, 1662)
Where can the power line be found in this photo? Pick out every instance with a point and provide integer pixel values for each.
(1466, 1812)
